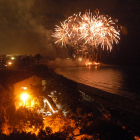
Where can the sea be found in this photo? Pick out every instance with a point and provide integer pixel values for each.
(121, 80)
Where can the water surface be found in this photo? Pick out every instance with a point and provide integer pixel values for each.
(121, 80)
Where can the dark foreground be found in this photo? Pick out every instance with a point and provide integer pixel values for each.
(121, 122)
(126, 110)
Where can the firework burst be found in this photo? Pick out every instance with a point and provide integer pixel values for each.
(61, 34)
(99, 30)
(87, 30)
(68, 33)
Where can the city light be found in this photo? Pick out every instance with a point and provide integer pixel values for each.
(9, 63)
(12, 58)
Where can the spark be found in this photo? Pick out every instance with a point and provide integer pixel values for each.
(87, 30)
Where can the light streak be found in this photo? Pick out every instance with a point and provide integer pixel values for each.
(50, 106)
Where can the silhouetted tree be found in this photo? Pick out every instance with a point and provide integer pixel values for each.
(38, 57)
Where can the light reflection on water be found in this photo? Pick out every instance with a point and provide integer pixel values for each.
(117, 80)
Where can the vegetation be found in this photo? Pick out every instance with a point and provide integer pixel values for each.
(81, 122)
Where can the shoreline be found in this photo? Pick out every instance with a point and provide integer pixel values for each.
(126, 94)
(126, 110)
(100, 94)
(123, 112)
(117, 91)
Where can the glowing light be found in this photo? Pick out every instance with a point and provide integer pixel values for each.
(9, 63)
(32, 103)
(95, 67)
(54, 111)
(24, 97)
(87, 30)
(95, 63)
(24, 88)
(80, 59)
(12, 58)
(88, 64)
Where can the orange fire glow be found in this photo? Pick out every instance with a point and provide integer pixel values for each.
(24, 97)
(89, 64)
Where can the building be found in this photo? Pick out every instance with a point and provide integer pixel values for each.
(22, 89)
(26, 84)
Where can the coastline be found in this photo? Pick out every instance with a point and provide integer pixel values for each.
(122, 123)
(120, 80)
(126, 110)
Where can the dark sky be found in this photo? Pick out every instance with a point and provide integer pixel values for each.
(24, 24)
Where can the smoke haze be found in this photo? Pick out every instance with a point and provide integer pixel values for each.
(26, 25)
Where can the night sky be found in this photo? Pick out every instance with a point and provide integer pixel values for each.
(24, 24)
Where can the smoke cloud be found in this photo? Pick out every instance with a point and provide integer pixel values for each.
(26, 25)
(21, 32)
(58, 62)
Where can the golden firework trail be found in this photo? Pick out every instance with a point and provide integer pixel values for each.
(88, 30)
